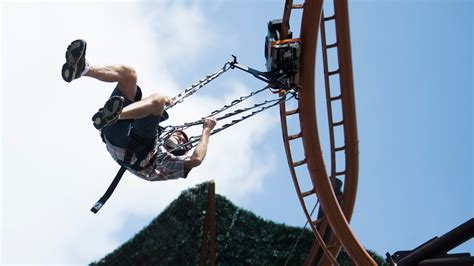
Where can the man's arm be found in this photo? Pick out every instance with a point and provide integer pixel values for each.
(201, 149)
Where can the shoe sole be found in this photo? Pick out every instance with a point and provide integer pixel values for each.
(112, 109)
(71, 61)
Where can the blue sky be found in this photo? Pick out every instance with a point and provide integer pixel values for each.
(413, 66)
(413, 71)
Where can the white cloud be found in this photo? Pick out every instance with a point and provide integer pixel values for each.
(54, 164)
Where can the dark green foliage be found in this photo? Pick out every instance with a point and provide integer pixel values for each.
(174, 237)
(345, 260)
(245, 239)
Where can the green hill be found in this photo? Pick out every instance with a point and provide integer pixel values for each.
(174, 237)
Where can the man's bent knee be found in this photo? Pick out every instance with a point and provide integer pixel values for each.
(128, 81)
(128, 74)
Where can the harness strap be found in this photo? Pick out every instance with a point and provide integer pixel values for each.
(109, 191)
(115, 182)
(139, 146)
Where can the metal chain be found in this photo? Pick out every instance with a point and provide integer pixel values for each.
(167, 131)
(198, 85)
(226, 107)
(241, 99)
(264, 106)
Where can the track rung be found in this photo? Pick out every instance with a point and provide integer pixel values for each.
(295, 164)
(335, 98)
(331, 45)
(294, 136)
(297, 6)
(330, 73)
(340, 173)
(340, 123)
(292, 112)
(307, 193)
(318, 221)
(340, 148)
(330, 18)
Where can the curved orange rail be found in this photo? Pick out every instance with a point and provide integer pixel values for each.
(332, 229)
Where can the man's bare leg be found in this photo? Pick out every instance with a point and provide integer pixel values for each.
(127, 82)
(151, 105)
(124, 75)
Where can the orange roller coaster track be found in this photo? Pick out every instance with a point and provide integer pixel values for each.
(332, 229)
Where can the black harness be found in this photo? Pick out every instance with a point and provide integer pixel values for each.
(138, 146)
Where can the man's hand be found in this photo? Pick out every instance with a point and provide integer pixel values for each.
(168, 100)
(209, 123)
(201, 149)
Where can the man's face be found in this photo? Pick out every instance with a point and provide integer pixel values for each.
(178, 138)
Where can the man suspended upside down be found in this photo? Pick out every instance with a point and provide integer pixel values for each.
(129, 125)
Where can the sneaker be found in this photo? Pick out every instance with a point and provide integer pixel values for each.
(110, 113)
(76, 63)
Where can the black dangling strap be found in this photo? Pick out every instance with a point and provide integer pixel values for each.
(109, 191)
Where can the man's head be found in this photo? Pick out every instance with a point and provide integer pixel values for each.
(176, 139)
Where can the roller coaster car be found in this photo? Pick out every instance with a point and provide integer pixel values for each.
(282, 55)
